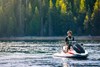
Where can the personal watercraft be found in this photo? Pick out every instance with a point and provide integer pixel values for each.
(76, 51)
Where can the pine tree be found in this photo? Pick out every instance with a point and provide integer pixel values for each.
(51, 4)
(95, 18)
(82, 6)
(57, 4)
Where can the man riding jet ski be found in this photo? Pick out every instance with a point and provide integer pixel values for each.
(68, 39)
(72, 49)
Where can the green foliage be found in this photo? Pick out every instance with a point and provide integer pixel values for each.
(82, 6)
(57, 4)
(95, 18)
(63, 8)
(96, 8)
(51, 4)
(49, 17)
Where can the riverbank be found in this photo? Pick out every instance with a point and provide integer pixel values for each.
(50, 38)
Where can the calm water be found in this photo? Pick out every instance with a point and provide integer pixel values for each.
(39, 54)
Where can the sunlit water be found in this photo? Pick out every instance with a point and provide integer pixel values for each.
(39, 54)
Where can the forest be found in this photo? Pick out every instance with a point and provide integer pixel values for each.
(49, 17)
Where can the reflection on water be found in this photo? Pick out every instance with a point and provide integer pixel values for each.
(39, 54)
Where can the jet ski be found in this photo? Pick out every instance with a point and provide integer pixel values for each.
(76, 51)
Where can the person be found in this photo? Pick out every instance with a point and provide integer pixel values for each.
(68, 38)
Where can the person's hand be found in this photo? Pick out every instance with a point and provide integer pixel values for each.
(65, 49)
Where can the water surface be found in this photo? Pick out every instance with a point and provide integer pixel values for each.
(39, 54)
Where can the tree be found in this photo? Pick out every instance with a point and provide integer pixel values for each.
(95, 17)
(82, 6)
(49, 17)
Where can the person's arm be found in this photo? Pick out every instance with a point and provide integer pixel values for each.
(66, 40)
(73, 39)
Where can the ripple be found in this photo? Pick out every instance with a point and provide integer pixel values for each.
(39, 54)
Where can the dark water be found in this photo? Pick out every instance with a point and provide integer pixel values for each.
(39, 54)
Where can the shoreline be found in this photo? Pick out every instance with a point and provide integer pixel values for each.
(48, 38)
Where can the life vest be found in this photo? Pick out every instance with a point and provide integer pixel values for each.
(69, 39)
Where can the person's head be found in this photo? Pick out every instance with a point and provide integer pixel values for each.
(69, 33)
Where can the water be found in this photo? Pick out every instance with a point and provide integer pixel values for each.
(39, 54)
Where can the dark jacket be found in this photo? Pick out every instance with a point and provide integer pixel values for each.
(67, 39)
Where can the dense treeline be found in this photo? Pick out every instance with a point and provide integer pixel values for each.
(49, 17)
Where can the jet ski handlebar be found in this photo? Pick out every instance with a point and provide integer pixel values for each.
(75, 42)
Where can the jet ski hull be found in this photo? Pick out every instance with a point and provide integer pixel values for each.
(71, 55)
